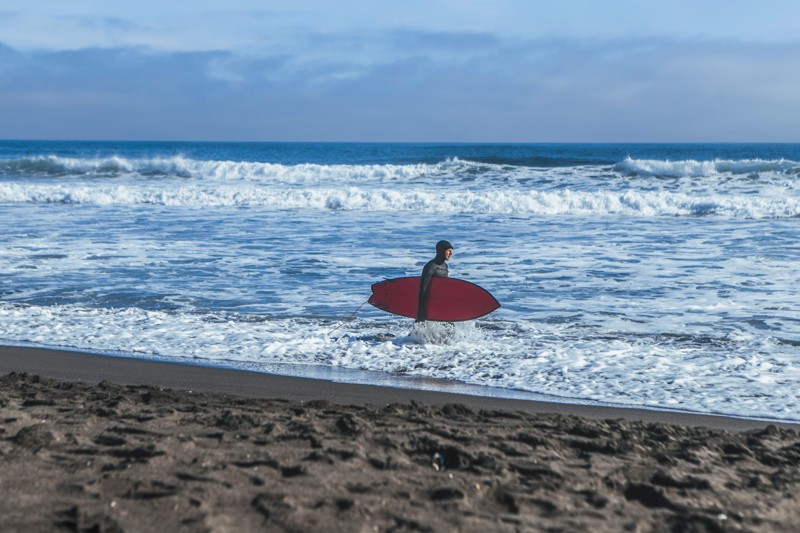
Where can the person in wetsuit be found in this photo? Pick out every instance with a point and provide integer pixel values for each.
(436, 267)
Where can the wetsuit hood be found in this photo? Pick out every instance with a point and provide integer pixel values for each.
(441, 248)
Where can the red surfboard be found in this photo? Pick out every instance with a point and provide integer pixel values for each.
(448, 299)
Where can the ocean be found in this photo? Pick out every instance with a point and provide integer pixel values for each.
(660, 276)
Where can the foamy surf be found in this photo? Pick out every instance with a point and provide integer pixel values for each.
(697, 169)
(664, 279)
(630, 203)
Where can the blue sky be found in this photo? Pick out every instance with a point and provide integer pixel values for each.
(435, 70)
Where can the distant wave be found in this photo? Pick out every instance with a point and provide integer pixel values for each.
(563, 202)
(178, 166)
(696, 169)
(51, 165)
(182, 167)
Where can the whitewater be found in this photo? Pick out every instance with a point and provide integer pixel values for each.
(656, 276)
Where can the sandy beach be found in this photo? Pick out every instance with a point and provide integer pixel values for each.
(94, 443)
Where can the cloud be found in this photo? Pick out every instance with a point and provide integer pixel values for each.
(415, 86)
(460, 42)
(105, 23)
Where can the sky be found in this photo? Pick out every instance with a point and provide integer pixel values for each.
(412, 70)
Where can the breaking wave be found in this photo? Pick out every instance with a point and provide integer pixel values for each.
(182, 167)
(496, 201)
(696, 169)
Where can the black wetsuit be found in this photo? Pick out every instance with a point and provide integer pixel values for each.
(436, 267)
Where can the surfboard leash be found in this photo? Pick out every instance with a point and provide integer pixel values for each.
(348, 319)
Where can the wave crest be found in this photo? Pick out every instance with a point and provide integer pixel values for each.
(182, 167)
(178, 166)
(500, 202)
(696, 169)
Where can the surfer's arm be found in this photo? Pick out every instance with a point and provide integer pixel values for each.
(424, 282)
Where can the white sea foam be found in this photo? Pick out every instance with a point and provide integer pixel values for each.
(695, 169)
(647, 283)
(352, 198)
(180, 166)
(548, 360)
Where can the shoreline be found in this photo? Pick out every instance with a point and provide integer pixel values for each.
(104, 443)
(79, 366)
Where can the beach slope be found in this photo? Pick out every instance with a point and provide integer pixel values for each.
(127, 445)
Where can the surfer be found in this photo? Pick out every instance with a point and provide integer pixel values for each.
(436, 267)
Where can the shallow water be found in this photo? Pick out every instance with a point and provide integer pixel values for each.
(645, 275)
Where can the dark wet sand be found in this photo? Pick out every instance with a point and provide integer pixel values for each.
(91, 443)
